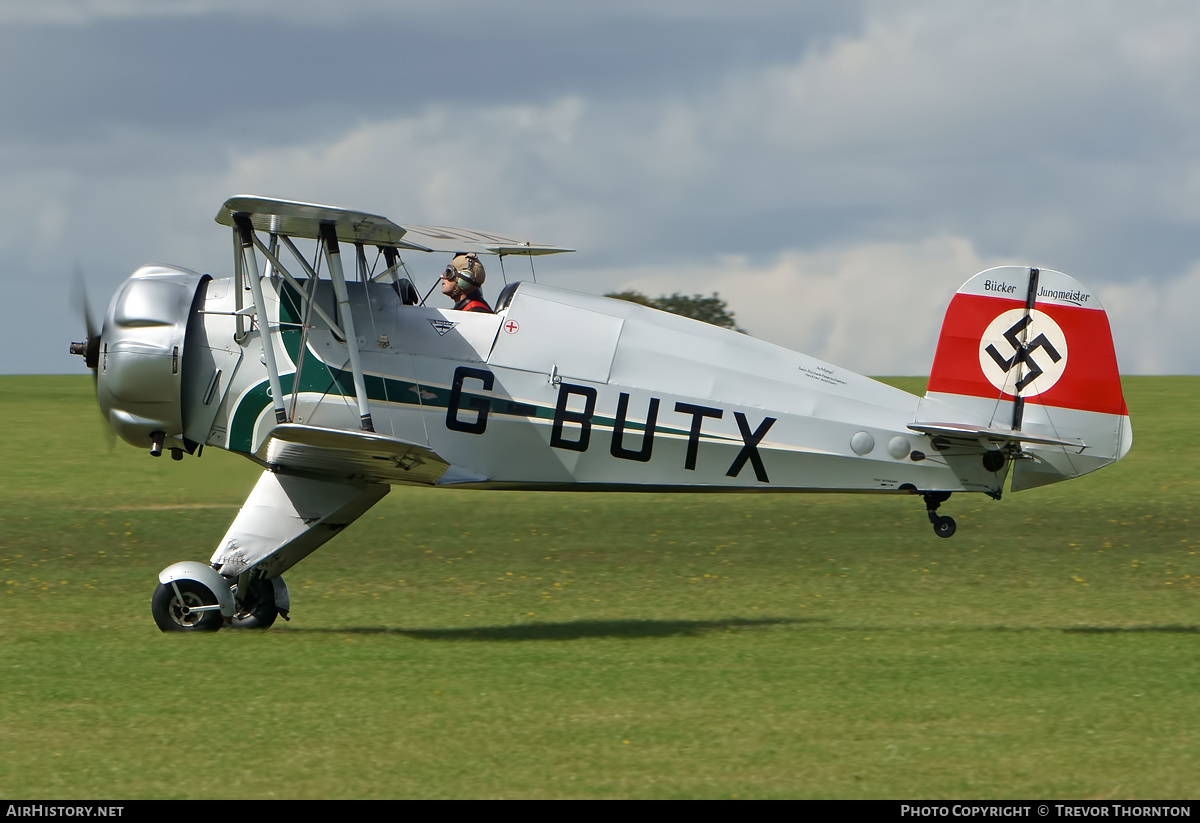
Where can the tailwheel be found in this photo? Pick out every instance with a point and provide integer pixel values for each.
(185, 606)
(943, 526)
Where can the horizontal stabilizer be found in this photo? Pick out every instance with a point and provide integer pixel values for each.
(966, 432)
(356, 455)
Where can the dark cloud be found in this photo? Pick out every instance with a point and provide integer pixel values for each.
(250, 78)
(817, 144)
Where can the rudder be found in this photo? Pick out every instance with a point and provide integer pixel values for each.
(1027, 355)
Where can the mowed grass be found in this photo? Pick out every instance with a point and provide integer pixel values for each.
(479, 644)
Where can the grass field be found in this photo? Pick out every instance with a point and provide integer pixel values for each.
(503, 644)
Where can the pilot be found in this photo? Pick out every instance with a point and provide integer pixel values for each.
(461, 282)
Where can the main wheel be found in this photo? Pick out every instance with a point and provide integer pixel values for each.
(944, 527)
(177, 612)
(258, 611)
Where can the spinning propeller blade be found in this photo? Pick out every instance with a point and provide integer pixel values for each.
(89, 349)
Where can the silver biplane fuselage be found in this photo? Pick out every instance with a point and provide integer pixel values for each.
(340, 389)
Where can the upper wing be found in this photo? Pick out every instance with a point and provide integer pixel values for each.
(305, 220)
(356, 455)
(447, 239)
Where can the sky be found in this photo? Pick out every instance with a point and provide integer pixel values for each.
(833, 170)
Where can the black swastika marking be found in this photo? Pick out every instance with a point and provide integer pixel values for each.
(1023, 353)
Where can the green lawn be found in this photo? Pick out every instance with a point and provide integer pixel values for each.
(504, 644)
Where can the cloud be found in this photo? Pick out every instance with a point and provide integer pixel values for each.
(358, 13)
(869, 158)
(876, 308)
(1153, 323)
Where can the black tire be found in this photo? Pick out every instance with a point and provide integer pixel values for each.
(173, 615)
(261, 617)
(259, 611)
(945, 527)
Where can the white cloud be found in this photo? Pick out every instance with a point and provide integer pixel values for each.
(476, 168)
(875, 308)
(1154, 323)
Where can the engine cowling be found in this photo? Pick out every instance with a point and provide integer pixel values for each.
(140, 362)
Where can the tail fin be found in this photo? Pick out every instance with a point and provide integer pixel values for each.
(1026, 360)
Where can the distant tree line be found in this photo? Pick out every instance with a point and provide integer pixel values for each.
(698, 307)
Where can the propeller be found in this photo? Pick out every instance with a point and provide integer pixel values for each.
(89, 349)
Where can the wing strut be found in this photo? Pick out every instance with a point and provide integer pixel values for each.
(294, 283)
(247, 263)
(333, 256)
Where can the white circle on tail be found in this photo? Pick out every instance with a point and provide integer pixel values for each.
(1023, 354)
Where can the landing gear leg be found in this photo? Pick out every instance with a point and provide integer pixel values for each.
(943, 526)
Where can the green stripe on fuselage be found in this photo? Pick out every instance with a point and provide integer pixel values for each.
(321, 378)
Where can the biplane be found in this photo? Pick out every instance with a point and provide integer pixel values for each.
(338, 380)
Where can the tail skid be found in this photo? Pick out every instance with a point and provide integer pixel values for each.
(1025, 366)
